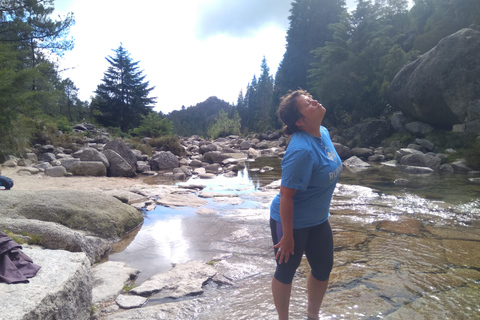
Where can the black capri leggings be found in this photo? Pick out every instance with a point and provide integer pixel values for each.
(316, 242)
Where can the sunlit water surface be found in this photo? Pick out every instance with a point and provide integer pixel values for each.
(400, 253)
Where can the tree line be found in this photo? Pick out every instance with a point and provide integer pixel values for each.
(345, 59)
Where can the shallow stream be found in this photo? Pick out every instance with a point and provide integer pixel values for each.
(400, 253)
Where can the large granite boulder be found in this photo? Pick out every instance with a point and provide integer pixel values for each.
(344, 152)
(362, 152)
(88, 168)
(58, 171)
(119, 167)
(207, 147)
(215, 157)
(354, 161)
(421, 160)
(399, 154)
(68, 163)
(91, 154)
(164, 160)
(52, 235)
(440, 86)
(48, 157)
(123, 150)
(62, 288)
(95, 213)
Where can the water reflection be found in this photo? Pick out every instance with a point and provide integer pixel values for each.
(454, 189)
(160, 242)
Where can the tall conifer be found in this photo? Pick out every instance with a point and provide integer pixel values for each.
(123, 96)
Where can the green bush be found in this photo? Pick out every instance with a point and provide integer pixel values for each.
(168, 143)
(450, 139)
(154, 125)
(25, 237)
(404, 138)
(17, 137)
(466, 146)
(116, 132)
(224, 126)
(63, 125)
(144, 148)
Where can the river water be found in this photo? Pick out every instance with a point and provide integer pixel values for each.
(400, 253)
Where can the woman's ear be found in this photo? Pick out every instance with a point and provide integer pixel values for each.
(300, 122)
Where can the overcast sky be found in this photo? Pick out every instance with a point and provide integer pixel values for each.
(188, 49)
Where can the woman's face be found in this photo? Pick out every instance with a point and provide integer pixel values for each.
(311, 110)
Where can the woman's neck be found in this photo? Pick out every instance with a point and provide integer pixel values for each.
(313, 130)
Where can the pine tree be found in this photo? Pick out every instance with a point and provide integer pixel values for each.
(27, 24)
(242, 110)
(264, 99)
(251, 104)
(308, 30)
(123, 96)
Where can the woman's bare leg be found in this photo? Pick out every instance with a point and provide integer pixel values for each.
(281, 298)
(315, 290)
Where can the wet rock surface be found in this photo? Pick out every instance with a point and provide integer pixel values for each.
(182, 280)
(391, 262)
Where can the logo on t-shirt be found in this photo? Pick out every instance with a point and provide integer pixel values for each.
(330, 154)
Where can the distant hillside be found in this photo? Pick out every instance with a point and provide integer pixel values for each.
(196, 119)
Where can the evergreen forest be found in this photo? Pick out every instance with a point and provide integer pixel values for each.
(346, 59)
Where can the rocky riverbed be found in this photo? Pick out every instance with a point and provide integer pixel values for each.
(396, 255)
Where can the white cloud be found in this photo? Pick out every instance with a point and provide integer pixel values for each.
(241, 18)
(162, 36)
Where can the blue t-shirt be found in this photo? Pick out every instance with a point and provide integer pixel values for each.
(312, 166)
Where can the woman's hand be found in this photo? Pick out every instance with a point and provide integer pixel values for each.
(285, 249)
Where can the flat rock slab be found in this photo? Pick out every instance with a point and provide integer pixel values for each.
(126, 196)
(183, 280)
(129, 302)
(181, 200)
(109, 278)
(173, 310)
(209, 194)
(62, 288)
(463, 253)
(206, 211)
(229, 200)
(206, 176)
(402, 226)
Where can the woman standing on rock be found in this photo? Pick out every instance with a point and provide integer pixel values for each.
(299, 213)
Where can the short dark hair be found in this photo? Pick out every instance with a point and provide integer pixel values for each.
(288, 111)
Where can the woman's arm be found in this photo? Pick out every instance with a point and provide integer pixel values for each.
(286, 244)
